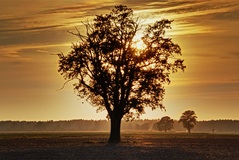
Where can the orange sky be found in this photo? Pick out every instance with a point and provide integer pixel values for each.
(30, 32)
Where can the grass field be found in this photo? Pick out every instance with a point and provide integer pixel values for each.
(134, 146)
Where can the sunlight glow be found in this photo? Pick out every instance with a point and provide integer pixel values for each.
(138, 42)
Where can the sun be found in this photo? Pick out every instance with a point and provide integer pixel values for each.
(138, 42)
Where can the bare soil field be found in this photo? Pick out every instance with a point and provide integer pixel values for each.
(134, 146)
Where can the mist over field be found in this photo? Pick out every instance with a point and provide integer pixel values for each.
(218, 126)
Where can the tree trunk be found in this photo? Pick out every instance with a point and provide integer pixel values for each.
(115, 130)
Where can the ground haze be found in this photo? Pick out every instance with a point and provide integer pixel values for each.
(136, 146)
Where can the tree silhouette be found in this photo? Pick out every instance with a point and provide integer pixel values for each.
(188, 119)
(165, 124)
(116, 76)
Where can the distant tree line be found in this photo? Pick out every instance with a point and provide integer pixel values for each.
(211, 126)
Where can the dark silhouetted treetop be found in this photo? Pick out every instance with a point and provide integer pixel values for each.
(112, 73)
(189, 120)
(165, 124)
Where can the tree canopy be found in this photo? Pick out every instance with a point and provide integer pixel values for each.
(188, 119)
(164, 124)
(113, 74)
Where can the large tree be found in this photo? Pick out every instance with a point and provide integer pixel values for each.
(189, 120)
(113, 74)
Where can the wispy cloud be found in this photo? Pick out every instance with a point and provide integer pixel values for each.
(73, 9)
(192, 17)
(31, 28)
(13, 53)
(57, 16)
(204, 89)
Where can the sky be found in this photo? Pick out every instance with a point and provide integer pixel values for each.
(31, 33)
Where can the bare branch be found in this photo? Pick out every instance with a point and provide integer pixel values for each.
(65, 83)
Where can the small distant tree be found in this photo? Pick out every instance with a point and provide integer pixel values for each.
(189, 120)
(116, 76)
(165, 124)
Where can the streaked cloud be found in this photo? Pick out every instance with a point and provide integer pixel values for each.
(217, 91)
(19, 54)
(31, 29)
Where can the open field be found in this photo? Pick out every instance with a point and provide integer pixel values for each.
(134, 146)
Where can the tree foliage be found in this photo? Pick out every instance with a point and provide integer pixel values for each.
(189, 120)
(112, 73)
(165, 124)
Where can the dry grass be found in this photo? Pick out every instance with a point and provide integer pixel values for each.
(134, 146)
